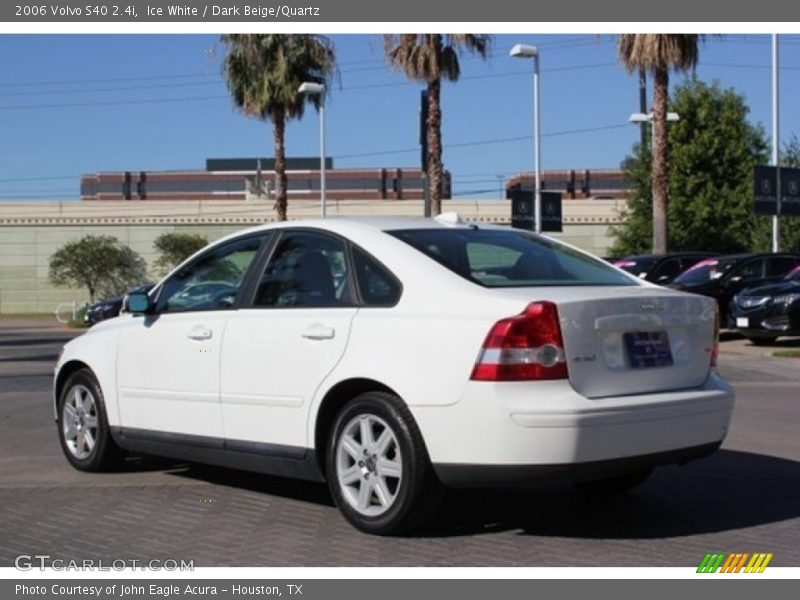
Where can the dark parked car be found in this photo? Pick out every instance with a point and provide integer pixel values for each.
(660, 268)
(107, 309)
(767, 312)
(725, 276)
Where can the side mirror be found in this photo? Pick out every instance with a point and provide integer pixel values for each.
(138, 303)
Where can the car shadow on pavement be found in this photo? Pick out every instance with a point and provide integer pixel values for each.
(728, 491)
(292, 489)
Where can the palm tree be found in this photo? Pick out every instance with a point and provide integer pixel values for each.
(429, 57)
(264, 72)
(657, 54)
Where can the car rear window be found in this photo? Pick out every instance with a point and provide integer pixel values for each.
(497, 258)
(705, 271)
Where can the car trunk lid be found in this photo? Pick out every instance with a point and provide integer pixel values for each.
(631, 339)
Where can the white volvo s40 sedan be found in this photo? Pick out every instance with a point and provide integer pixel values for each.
(393, 356)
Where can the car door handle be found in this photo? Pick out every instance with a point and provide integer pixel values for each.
(319, 332)
(200, 333)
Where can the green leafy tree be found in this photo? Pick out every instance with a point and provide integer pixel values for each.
(713, 151)
(264, 72)
(173, 248)
(101, 264)
(658, 54)
(429, 58)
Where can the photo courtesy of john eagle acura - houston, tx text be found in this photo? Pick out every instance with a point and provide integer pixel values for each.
(395, 357)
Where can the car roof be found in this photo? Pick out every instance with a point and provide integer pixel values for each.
(374, 223)
(670, 255)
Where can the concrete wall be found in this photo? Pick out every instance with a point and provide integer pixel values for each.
(31, 232)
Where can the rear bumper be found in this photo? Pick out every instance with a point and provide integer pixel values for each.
(518, 433)
(462, 476)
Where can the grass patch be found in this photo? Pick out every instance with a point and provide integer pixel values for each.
(78, 322)
(26, 316)
(787, 353)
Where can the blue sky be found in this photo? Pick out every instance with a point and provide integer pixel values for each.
(73, 104)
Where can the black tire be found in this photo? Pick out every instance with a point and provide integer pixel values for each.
(418, 493)
(763, 341)
(104, 455)
(612, 486)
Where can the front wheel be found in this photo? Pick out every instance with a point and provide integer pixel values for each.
(377, 466)
(83, 427)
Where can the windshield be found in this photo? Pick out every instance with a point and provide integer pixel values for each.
(705, 271)
(498, 258)
(794, 275)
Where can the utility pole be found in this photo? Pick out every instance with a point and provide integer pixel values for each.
(776, 145)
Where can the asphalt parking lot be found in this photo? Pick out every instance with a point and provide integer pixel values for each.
(744, 498)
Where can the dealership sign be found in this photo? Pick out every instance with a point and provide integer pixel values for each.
(766, 190)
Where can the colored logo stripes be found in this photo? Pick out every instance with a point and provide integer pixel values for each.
(734, 563)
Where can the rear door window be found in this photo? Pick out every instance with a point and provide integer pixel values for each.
(667, 270)
(377, 286)
(778, 266)
(306, 270)
(750, 271)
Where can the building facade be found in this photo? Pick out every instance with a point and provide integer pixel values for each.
(252, 178)
(601, 184)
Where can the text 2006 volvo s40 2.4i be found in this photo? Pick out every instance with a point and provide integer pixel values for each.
(392, 356)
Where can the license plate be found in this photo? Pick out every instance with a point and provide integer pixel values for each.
(742, 322)
(648, 349)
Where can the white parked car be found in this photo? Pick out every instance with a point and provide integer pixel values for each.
(391, 356)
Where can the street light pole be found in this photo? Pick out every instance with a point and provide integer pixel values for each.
(644, 119)
(776, 243)
(525, 51)
(322, 199)
(318, 89)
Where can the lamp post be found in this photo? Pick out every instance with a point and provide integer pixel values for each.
(525, 51)
(776, 148)
(642, 118)
(318, 89)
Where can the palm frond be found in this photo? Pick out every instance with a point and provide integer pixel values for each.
(653, 52)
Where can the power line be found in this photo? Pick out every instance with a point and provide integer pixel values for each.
(746, 66)
(488, 142)
(223, 97)
(403, 150)
(558, 44)
(116, 89)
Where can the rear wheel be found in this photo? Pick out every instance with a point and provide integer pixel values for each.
(378, 468)
(83, 427)
(613, 486)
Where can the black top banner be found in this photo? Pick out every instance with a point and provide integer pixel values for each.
(471, 11)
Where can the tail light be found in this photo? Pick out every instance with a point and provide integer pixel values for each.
(715, 347)
(525, 347)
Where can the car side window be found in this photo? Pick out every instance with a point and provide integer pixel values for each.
(306, 270)
(377, 286)
(750, 270)
(778, 266)
(667, 270)
(212, 281)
